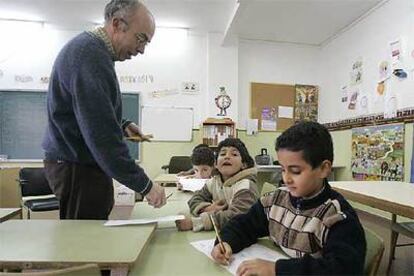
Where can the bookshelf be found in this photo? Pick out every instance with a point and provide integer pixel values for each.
(216, 130)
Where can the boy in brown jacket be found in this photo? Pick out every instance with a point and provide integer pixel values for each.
(231, 191)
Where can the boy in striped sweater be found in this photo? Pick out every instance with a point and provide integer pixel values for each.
(314, 225)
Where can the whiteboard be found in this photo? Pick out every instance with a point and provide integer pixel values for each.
(168, 123)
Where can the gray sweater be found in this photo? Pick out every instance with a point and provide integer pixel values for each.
(84, 113)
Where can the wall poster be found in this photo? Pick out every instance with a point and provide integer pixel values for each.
(306, 103)
(378, 153)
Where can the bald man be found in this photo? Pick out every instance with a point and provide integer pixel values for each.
(83, 144)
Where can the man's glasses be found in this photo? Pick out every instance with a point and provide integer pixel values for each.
(141, 37)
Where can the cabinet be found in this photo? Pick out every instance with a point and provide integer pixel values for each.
(216, 130)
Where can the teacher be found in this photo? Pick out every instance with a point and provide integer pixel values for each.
(83, 144)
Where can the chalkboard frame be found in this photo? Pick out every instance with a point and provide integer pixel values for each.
(135, 148)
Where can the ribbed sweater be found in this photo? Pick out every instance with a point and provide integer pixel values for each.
(322, 235)
(84, 110)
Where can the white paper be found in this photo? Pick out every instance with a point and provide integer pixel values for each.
(286, 112)
(143, 221)
(252, 126)
(192, 184)
(255, 251)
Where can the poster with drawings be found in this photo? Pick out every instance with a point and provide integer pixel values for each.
(378, 153)
(356, 72)
(306, 102)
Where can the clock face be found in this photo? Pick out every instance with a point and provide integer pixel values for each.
(223, 101)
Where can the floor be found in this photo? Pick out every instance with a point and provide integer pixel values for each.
(403, 263)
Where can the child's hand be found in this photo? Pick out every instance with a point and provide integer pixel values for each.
(184, 224)
(256, 267)
(221, 257)
(216, 206)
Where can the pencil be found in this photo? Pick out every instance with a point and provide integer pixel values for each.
(223, 249)
(168, 196)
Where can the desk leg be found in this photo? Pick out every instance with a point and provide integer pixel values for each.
(393, 243)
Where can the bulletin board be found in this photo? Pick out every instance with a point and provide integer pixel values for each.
(265, 95)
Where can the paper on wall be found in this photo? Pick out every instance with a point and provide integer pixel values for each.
(255, 251)
(252, 126)
(286, 112)
(143, 221)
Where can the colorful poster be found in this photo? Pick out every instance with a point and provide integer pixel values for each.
(306, 103)
(269, 118)
(378, 153)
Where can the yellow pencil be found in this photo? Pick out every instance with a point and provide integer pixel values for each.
(223, 249)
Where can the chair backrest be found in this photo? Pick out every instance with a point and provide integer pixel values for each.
(375, 250)
(33, 182)
(179, 163)
(88, 269)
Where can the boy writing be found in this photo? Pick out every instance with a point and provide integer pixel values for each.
(310, 222)
(231, 191)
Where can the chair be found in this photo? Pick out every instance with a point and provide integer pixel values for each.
(33, 183)
(88, 269)
(178, 164)
(375, 250)
(404, 228)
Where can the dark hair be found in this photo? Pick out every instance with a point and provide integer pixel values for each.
(310, 137)
(119, 9)
(240, 146)
(203, 155)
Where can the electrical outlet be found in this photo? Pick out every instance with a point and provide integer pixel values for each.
(190, 87)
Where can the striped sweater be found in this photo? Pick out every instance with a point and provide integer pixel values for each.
(322, 234)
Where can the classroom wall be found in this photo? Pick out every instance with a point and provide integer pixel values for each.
(269, 62)
(368, 39)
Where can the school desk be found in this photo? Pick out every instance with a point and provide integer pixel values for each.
(165, 179)
(170, 252)
(8, 213)
(56, 243)
(390, 196)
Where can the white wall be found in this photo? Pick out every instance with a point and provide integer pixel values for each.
(273, 63)
(222, 71)
(368, 39)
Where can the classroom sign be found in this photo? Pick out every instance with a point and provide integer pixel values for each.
(378, 153)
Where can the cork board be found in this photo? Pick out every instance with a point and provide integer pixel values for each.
(265, 95)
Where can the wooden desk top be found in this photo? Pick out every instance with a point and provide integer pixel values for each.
(170, 253)
(8, 213)
(53, 243)
(391, 196)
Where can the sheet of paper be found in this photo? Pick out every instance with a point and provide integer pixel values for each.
(143, 221)
(255, 251)
(252, 126)
(286, 112)
(192, 184)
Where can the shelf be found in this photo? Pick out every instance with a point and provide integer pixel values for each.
(216, 130)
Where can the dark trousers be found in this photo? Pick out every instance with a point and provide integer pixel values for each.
(83, 191)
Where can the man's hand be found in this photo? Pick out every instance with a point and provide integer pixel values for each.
(256, 267)
(216, 206)
(132, 130)
(184, 224)
(156, 196)
(221, 257)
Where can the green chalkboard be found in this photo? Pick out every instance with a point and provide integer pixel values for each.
(23, 121)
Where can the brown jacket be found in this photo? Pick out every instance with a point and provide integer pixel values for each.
(239, 192)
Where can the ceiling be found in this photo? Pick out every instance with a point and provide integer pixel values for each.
(312, 22)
